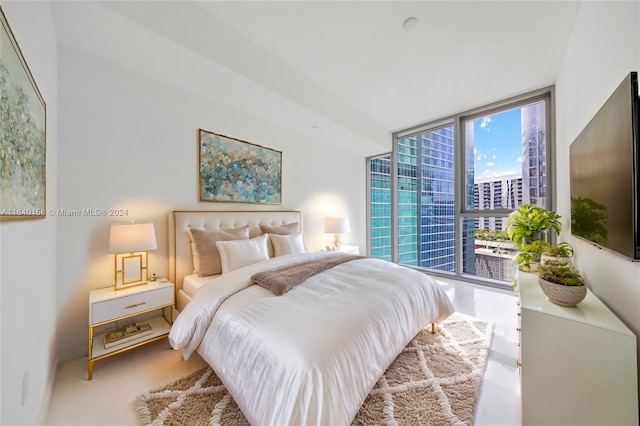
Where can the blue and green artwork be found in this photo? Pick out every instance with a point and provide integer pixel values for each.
(22, 134)
(232, 170)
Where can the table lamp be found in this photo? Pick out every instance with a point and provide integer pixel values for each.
(336, 226)
(130, 242)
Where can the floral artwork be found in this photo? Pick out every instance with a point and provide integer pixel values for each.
(237, 171)
(22, 133)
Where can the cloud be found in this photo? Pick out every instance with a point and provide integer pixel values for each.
(481, 157)
(490, 164)
(475, 151)
(493, 156)
(492, 173)
(519, 159)
(485, 123)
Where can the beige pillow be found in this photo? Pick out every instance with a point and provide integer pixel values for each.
(208, 254)
(289, 228)
(239, 253)
(287, 244)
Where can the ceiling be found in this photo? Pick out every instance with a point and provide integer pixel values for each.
(332, 71)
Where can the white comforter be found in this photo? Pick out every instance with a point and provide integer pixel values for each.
(310, 356)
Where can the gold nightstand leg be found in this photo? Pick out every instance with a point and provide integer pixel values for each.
(433, 328)
(91, 364)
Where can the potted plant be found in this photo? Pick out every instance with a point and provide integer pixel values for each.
(530, 255)
(529, 223)
(525, 227)
(561, 283)
(560, 253)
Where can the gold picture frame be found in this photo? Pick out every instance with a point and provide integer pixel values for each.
(23, 137)
(233, 170)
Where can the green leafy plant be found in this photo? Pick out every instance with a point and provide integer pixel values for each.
(563, 249)
(485, 234)
(531, 253)
(523, 260)
(536, 247)
(529, 223)
(560, 273)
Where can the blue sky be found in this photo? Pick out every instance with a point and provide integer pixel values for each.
(498, 144)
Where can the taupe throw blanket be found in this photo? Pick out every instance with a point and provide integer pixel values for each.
(282, 279)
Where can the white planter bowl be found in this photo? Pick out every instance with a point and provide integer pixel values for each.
(563, 295)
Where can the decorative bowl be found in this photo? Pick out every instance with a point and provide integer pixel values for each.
(563, 295)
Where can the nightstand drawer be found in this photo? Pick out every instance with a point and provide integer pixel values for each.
(127, 305)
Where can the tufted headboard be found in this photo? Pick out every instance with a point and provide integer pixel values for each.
(180, 259)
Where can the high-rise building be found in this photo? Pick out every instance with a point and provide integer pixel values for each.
(437, 199)
(380, 178)
(534, 158)
(500, 192)
(407, 199)
(426, 234)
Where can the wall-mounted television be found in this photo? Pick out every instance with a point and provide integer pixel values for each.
(605, 180)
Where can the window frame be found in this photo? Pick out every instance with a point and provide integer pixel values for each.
(461, 212)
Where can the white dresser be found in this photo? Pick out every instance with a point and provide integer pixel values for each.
(578, 365)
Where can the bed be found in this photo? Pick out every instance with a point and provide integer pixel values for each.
(311, 355)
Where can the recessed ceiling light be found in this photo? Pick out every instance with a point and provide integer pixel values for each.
(410, 23)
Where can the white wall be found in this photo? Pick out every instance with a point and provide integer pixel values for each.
(28, 247)
(129, 141)
(604, 48)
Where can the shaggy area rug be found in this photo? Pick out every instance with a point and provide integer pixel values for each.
(435, 380)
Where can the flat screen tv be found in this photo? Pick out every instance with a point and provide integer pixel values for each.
(605, 181)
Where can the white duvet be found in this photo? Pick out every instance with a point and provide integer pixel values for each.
(310, 356)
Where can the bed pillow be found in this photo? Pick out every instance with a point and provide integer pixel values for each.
(208, 262)
(239, 253)
(289, 228)
(287, 244)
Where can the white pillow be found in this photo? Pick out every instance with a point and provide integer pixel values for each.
(287, 244)
(238, 253)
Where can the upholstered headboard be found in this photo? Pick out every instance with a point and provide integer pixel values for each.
(180, 258)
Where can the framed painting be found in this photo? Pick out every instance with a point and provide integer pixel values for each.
(232, 170)
(22, 134)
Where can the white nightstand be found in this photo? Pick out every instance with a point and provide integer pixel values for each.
(110, 309)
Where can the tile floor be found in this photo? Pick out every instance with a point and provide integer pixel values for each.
(108, 398)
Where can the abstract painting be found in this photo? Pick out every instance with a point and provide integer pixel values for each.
(232, 170)
(22, 134)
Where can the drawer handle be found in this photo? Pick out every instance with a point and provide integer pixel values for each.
(518, 329)
(136, 305)
(518, 364)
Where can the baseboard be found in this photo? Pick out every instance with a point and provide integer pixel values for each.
(48, 394)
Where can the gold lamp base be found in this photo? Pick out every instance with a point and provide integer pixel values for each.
(131, 269)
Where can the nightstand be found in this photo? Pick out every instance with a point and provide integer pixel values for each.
(349, 249)
(111, 309)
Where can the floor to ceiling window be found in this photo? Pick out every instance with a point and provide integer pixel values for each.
(440, 200)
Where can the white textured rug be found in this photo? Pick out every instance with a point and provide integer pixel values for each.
(435, 380)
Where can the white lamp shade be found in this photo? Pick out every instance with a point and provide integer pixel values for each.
(336, 225)
(132, 237)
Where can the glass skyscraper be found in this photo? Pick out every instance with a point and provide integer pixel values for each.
(534, 158)
(426, 234)
(380, 179)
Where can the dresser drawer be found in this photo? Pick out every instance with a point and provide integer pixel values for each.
(108, 310)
